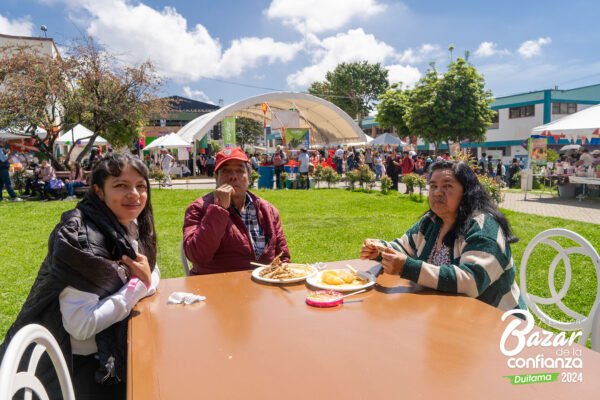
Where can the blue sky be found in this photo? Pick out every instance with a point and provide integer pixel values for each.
(211, 50)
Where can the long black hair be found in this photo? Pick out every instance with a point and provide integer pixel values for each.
(475, 201)
(113, 164)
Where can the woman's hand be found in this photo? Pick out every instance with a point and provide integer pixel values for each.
(369, 249)
(140, 268)
(392, 261)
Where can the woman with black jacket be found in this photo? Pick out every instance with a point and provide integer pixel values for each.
(101, 261)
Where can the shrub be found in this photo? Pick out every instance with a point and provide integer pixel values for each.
(366, 177)
(158, 175)
(318, 175)
(492, 188)
(330, 176)
(253, 177)
(413, 181)
(18, 179)
(386, 184)
(351, 177)
(283, 177)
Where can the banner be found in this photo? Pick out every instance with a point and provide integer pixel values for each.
(203, 142)
(537, 150)
(229, 132)
(297, 137)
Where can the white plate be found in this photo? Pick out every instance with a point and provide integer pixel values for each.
(310, 271)
(315, 281)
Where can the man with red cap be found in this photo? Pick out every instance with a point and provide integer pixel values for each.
(229, 228)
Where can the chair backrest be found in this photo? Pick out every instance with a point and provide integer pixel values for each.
(11, 381)
(588, 324)
(184, 260)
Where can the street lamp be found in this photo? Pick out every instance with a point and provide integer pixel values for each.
(44, 29)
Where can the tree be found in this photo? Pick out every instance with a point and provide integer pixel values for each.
(34, 88)
(113, 101)
(464, 103)
(421, 118)
(353, 87)
(391, 109)
(450, 108)
(247, 131)
(88, 87)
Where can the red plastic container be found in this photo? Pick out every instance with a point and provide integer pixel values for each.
(324, 298)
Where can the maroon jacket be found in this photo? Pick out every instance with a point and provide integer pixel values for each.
(216, 239)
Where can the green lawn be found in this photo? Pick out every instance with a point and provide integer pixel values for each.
(320, 225)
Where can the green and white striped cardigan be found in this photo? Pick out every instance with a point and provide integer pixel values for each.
(482, 263)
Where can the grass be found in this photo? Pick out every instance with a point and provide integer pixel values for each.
(320, 225)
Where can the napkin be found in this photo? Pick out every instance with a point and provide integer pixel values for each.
(184, 298)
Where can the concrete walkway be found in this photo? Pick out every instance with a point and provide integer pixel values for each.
(586, 210)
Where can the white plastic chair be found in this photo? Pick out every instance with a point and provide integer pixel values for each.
(590, 324)
(12, 381)
(184, 260)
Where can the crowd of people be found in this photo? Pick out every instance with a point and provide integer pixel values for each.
(102, 256)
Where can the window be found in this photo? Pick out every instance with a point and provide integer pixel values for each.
(495, 120)
(521, 112)
(564, 108)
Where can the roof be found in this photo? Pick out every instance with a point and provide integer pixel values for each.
(328, 123)
(78, 133)
(179, 103)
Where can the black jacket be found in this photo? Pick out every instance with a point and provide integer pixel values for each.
(83, 251)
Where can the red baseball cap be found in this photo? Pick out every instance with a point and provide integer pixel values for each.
(231, 153)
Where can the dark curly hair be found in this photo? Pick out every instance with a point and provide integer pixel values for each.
(475, 201)
(113, 164)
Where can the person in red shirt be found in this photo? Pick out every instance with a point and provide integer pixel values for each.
(407, 165)
(229, 228)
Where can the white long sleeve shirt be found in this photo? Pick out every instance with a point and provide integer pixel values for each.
(84, 315)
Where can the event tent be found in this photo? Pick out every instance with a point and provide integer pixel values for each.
(170, 141)
(387, 138)
(79, 133)
(583, 123)
(328, 123)
(10, 134)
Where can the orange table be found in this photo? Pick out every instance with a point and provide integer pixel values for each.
(257, 341)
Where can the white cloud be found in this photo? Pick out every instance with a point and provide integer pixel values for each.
(136, 32)
(321, 15)
(406, 74)
(488, 49)
(532, 48)
(17, 27)
(354, 45)
(196, 95)
(426, 50)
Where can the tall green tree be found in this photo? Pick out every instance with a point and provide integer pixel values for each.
(353, 87)
(247, 131)
(392, 109)
(422, 118)
(452, 107)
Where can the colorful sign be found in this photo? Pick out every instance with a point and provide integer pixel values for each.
(297, 137)
(229, 132)
(538, 150)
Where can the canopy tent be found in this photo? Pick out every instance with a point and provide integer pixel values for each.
(79, 133)
(170, 141)
(582, 124)
(387, 138)
(328, 123)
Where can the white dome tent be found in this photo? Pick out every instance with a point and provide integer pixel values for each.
(328, 123)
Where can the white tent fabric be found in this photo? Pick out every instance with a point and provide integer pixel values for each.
(387, 138)
(9, 134)
(328, 122)
(170, 141)
(582, 123)
(79, 133)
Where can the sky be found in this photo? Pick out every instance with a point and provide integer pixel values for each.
(229, 50)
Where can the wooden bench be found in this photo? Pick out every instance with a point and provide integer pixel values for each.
(80, 191)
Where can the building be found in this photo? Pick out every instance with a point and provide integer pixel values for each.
(518, 114)
(39, 45)
(182, 111)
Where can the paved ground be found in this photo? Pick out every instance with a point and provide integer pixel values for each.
(586, 210)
